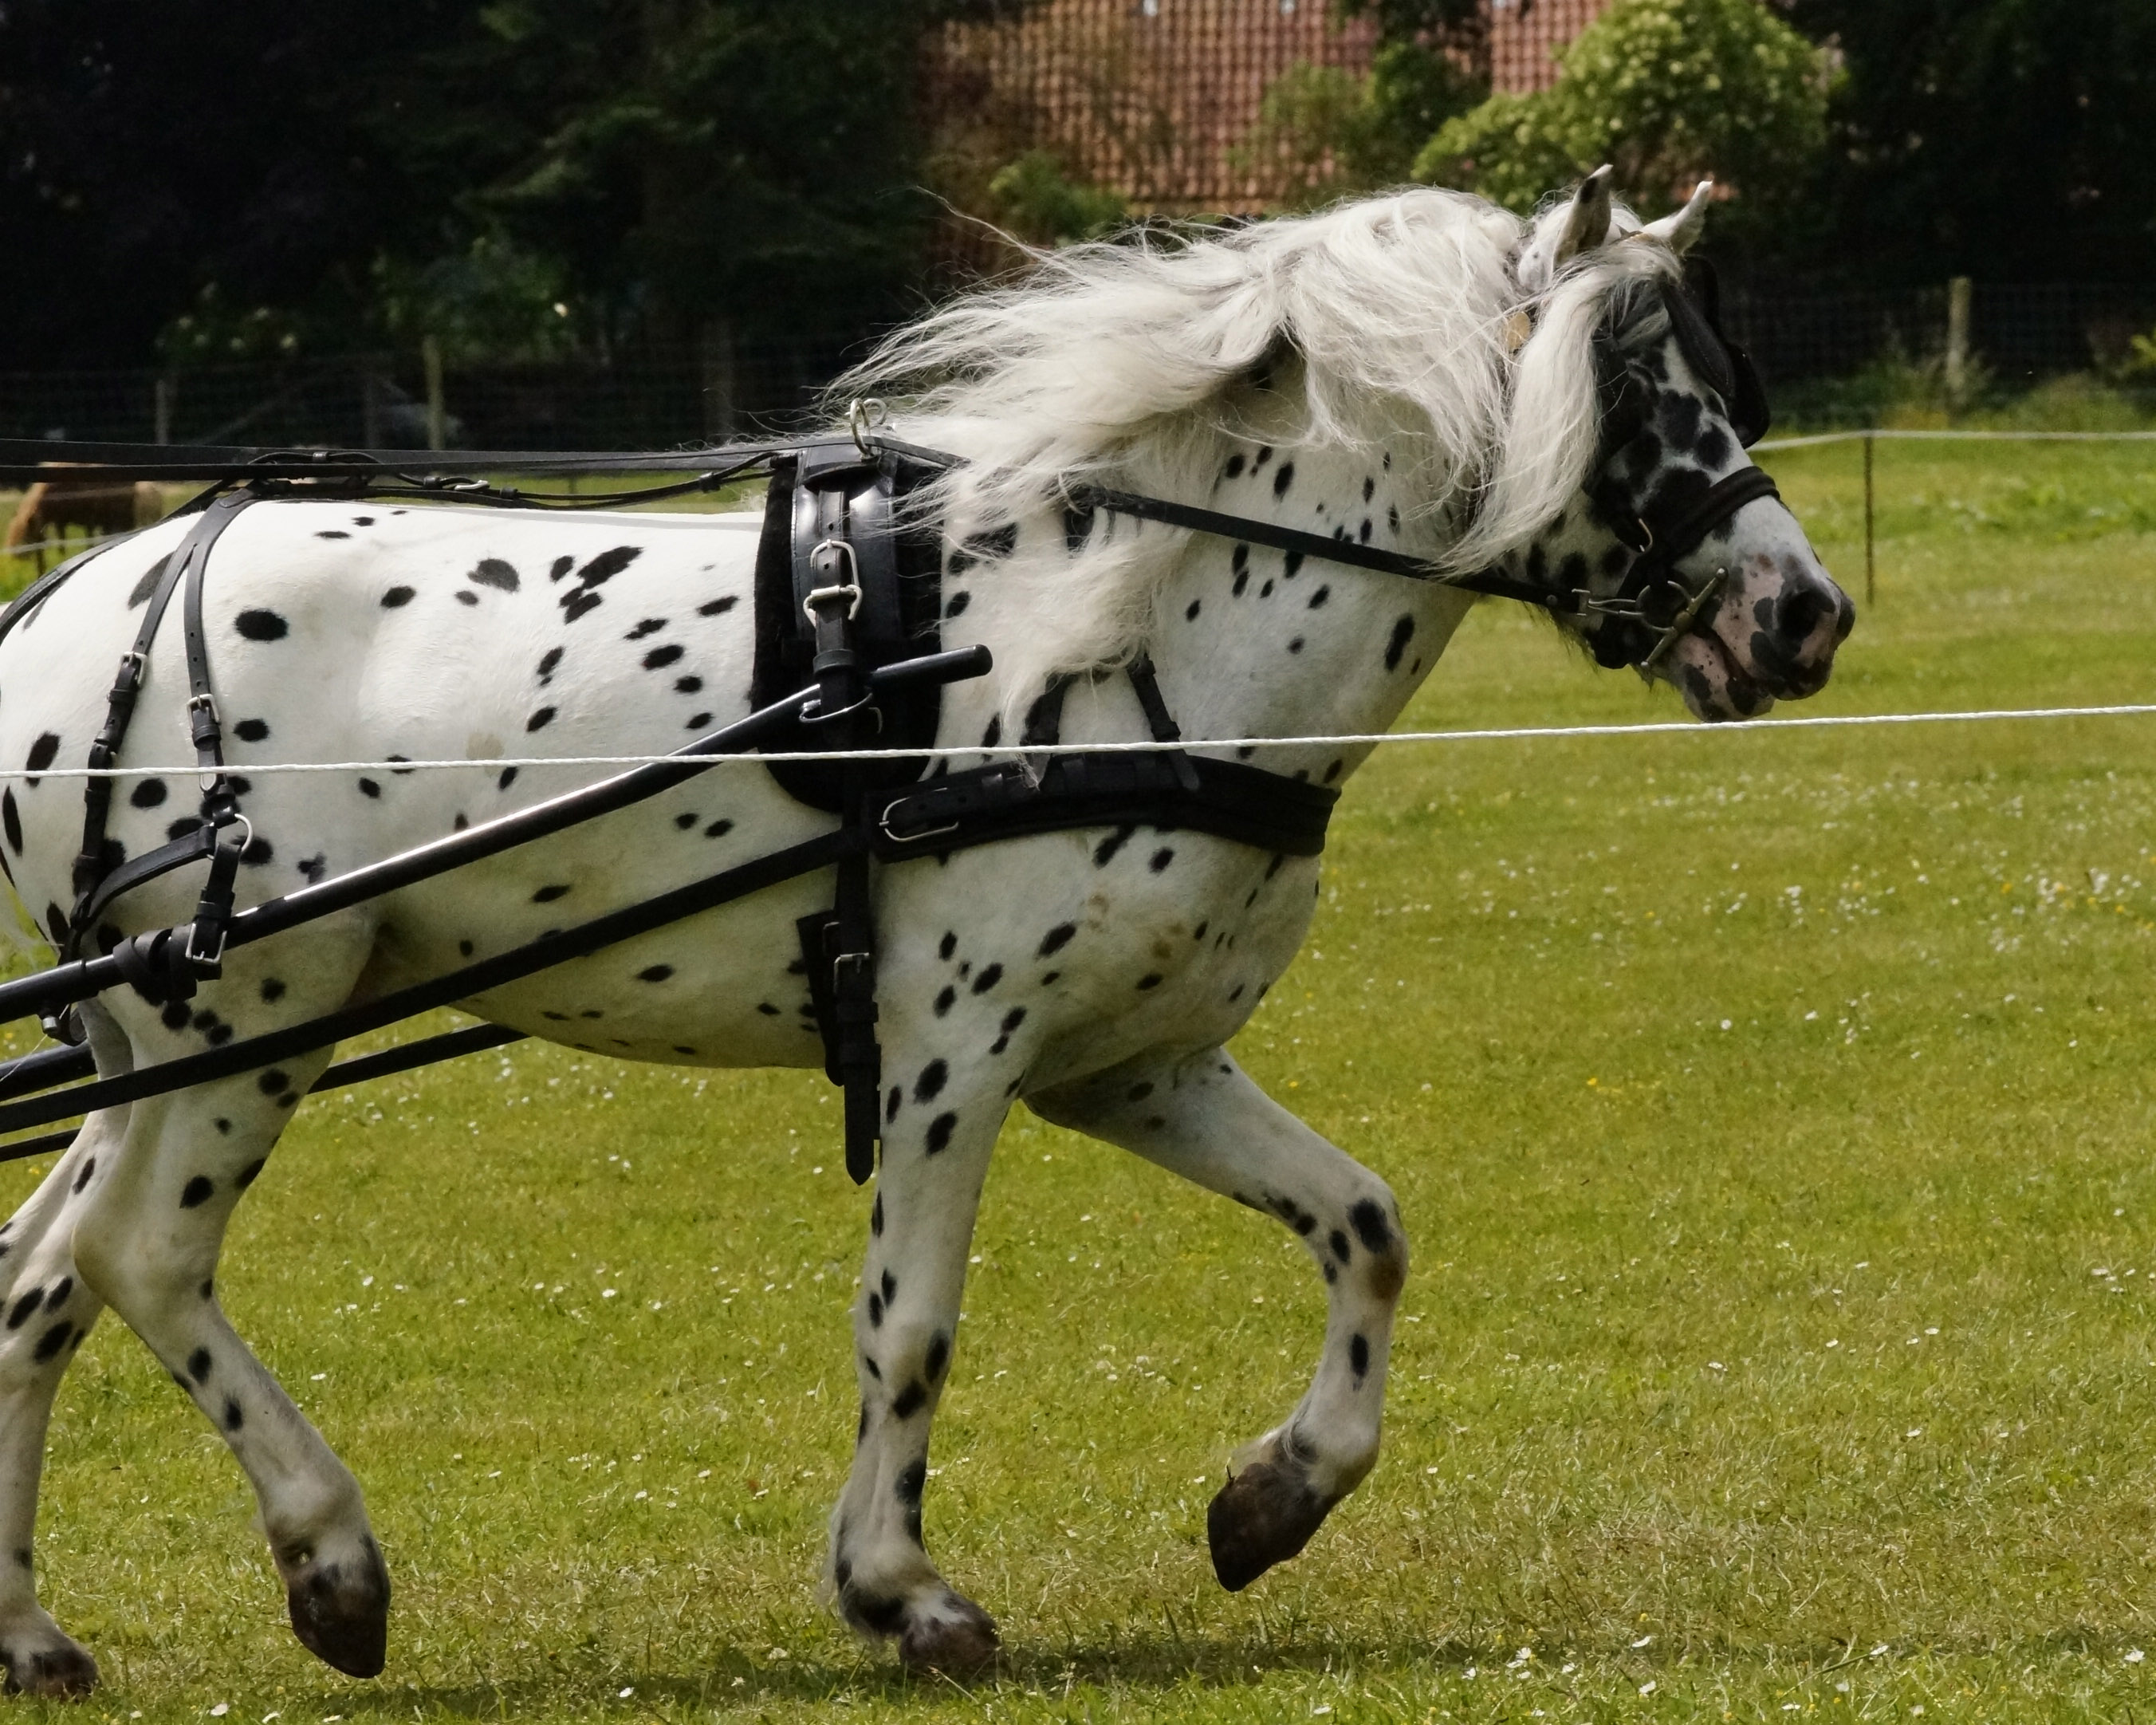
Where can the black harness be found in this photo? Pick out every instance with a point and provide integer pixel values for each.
(845, 587)
(847, 603)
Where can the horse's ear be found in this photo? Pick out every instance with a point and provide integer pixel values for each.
(1679, 230)
(1587, 223)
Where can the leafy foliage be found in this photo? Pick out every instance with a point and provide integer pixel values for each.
(1460, 27)
(1038, 201)
(341, 174)
(1671, 91)
(1330, 133)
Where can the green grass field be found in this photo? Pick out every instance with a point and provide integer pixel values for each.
(1770, 1114)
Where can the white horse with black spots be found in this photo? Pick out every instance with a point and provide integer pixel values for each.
(1417, 372)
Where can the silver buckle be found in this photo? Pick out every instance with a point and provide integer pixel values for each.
(824, 560)
(884, 822)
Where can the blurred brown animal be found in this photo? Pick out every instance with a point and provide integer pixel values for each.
(51, 507)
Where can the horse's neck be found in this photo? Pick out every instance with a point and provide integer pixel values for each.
(1251, 642)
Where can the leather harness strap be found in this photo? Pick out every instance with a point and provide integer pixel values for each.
(1224, 799)
(1085, 498)
(159, 965)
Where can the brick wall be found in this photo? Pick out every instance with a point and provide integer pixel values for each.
(1527, 36)
(1150, 97)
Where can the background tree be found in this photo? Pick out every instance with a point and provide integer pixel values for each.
(1671, 91)
(1327, 133)
(304, 177)
(2008, 139)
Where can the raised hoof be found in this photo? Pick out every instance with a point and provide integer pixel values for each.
(1263, 1515)
(341, 1613)
(955, 1635)
(65, 1672)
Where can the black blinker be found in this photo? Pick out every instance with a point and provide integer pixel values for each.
(1694, 310)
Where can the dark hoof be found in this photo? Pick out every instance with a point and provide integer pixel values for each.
(1263, 1515)
(341, 1613)
(956, 1636)
(61, 1673)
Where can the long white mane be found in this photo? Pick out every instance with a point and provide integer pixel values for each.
(1395, 321)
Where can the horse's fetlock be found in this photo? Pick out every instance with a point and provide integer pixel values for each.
(40, 1659)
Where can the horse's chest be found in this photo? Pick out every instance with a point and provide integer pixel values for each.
(1083, 948)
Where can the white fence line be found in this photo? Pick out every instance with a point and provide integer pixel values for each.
(1814, 439)
(23, 550)
(1871, 437)
(1821, 721)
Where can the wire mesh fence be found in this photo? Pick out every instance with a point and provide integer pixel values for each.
(655, 397)
(651, 399)
(2018, 331)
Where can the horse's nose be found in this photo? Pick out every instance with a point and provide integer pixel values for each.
(1797, 627)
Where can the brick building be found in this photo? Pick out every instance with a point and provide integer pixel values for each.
(1151, 98)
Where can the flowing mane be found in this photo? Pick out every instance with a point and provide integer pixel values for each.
(1396, 319)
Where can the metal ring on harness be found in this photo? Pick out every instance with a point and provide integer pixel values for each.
(864, 417)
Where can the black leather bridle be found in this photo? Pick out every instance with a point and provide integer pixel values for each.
(1651, 608)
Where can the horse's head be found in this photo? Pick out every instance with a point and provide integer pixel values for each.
(1677, 556)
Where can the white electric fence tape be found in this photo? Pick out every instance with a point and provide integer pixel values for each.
(1511, 733)
(1502, 735)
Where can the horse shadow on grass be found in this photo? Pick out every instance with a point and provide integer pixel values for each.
(738, 1678)
(1156, 1663)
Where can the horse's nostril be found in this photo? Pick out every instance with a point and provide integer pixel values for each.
(1802, 608)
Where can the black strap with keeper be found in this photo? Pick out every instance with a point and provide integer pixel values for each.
(167, 964)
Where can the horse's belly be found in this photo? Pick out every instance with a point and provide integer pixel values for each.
(725, 987)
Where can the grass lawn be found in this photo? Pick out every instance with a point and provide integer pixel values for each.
(1770, 1116)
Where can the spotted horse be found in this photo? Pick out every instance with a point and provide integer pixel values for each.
(1420, 375)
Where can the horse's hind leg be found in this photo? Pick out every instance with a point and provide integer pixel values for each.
(1202, 1118)
(148, 1243)
(46, 1309)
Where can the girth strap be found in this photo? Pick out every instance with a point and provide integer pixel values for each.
(1224, 798)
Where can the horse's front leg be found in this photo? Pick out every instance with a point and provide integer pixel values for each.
(938, 1132)
(1201, 1116)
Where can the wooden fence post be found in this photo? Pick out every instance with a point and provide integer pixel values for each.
(1870, 590)
(1958, 293)
(430, 359)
